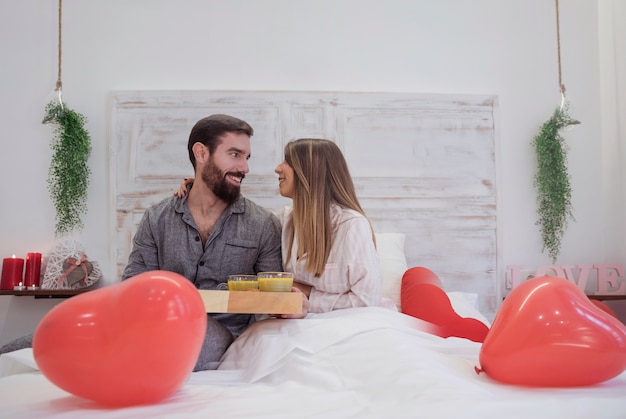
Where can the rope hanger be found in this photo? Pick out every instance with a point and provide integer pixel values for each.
(59, 85)
(558, 47)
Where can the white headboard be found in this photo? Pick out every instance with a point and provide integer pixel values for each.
(423, 165)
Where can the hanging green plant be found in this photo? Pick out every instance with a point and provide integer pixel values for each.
(552, 181)
(68, 176)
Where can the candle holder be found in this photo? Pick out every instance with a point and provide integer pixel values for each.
(19, 287)
(32, 288)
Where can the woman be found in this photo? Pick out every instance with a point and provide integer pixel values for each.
(327, 241)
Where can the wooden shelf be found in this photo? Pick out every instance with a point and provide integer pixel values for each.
(44, 293)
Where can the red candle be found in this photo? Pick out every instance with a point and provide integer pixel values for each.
(12, 269)
(33, 269)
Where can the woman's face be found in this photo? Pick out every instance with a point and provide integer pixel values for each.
(286, 179)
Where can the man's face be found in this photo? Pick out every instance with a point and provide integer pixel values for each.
(228, 166)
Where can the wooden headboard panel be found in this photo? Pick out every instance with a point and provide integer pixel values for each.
(423, 165)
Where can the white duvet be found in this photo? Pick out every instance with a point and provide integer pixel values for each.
(356, 363)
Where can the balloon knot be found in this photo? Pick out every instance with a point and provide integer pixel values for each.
(478, 370)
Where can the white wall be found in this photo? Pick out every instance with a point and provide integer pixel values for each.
(506, 48)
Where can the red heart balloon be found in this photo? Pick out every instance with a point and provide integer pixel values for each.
(604, 307)
(422, 297)
(135, 342)
(547, 333)
(420, 275)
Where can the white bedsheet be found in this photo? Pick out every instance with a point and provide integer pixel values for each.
(356, 363)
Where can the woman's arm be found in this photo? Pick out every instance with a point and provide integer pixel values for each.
(306, 289)
(353, 275)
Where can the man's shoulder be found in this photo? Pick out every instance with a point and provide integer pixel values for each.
(165, 206)
(254, 214)
(253, 208)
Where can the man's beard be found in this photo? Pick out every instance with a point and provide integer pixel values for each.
(217, 182)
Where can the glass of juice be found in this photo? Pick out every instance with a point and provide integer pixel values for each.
(242, 282)
(275, 281)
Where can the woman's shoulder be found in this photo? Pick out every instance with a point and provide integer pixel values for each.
(341, 215)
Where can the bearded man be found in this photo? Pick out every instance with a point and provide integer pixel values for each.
(212, 231)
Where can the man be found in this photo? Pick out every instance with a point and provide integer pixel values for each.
(212, 231)
(209, 233)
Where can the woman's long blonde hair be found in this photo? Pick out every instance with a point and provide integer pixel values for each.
(321, 178)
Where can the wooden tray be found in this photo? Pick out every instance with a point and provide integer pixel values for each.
(251, 302)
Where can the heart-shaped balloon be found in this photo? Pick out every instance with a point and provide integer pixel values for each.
(421, 275)
(604, 307)
(134, 342)
(547, 333)
(422, 297)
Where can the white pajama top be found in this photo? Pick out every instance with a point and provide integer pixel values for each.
(352, 276)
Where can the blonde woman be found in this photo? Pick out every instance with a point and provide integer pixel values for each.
(327, 240)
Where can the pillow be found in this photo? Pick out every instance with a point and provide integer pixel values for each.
(390, 247)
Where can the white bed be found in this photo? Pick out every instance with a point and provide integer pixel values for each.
(357, 363)
(425, 169)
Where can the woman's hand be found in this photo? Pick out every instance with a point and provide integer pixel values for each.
(305, 307)
(306, 289)
(182, 190)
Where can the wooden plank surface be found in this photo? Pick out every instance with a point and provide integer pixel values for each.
(423, 165)
(251, 302)
(46, 293)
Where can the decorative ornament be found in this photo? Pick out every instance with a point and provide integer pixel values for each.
(552, 180)
(68, 176)
(69, 267)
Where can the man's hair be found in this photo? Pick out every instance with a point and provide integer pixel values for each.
(321, 177)
(209, 131)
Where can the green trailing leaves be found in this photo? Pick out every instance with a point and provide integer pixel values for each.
(552, 181)
(68, 176)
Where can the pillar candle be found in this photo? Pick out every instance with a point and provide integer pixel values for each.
(12, 269)
(33, 269)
